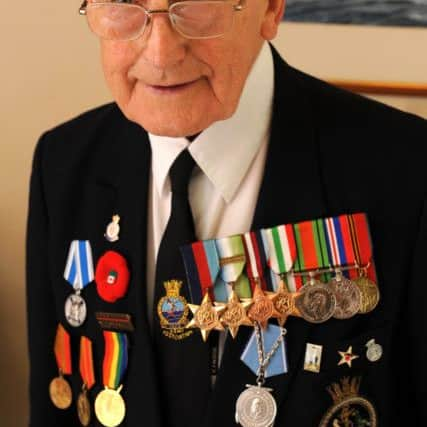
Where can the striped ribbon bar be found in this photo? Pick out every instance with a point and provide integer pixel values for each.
(312, 249)
(115, 358)
(202, 267)
(256, 259)
(232, 260)
(362, 244)
(86, 362)
(79, 267)
(339, 242)
(62, 349)
(283, 253)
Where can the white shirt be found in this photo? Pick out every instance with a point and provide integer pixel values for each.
(230, 157)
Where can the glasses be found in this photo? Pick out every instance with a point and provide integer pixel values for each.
(193, 19)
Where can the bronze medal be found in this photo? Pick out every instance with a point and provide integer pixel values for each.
(83, 409)
(60, 392)
(110, 408)
(235, 314)
(370, 294)
(284, 303)
(316, 302)
(349, 408)
(347, 296)
(262, 308)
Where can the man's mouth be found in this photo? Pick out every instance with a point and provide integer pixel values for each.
(172, 88)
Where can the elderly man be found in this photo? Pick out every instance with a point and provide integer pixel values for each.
(213, 134)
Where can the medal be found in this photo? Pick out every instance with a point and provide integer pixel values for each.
(262, 309)
(232, 260)
(88, 376)
(110, 407)
(347, 295)
(59, 389)
(113, 229)
(347, 357)
(349, 409)
(173, 312)
(112, 276)
(78, 273)
(202, 267)
(282, 251)
(374, 351)
(256, 407)
(366, 280)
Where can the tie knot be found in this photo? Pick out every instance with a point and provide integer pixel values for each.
(180, 172)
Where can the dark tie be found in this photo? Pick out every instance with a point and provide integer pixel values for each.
(183, 365)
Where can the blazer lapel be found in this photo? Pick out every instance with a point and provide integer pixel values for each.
(291, 191)
(122, 180)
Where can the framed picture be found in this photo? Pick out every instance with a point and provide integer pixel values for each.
(360, 12)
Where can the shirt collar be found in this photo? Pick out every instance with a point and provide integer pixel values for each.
(225, 150)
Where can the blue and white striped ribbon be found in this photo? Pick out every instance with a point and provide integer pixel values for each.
(79, 267)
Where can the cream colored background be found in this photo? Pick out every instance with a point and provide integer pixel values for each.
(50, 72)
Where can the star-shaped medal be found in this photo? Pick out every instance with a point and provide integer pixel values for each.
(347, 357)
(235, 314)
(262, 308)
(284, 303)
(206, 316)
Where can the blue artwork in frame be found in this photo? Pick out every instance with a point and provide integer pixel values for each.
(359, 12)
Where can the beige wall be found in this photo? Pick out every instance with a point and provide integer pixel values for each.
(50, 72)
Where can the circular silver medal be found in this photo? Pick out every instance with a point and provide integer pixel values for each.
(348, 297)
(316, 303)
(256, 407)
(374, 351)
(75, 310)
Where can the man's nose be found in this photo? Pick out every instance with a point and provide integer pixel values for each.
(163, 46)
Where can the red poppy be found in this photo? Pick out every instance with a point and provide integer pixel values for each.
(112, 276)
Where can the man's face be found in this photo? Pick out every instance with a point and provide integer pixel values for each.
(174, 86)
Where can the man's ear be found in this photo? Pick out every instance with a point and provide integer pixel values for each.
(272, 18)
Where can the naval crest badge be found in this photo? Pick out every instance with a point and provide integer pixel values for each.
(173, 312)
(349, 409)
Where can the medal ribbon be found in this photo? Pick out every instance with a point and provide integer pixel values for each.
(115, 358)
(232, 259)
(202, 267)
(362, 243)
(339, 241)
(62, 348)
(311, 246)
(256, 258)
(86, 362)
(79, 267)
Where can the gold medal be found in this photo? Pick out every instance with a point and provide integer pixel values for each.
(60, 392)
(83, 408)
(110, 407)
(235, 314)
(206, 317)
(370, 294)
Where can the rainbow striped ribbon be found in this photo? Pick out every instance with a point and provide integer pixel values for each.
(256, 259)
(115, 358)
(86, 362)
(202, 267)
(62, 349)
(232, 257)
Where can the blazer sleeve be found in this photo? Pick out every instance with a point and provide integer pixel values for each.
(41, 318)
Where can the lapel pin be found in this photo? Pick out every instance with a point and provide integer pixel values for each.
(374, 351)
(313, 358)
(113, 229)
(347, 357)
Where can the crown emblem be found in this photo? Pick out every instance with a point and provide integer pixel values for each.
(172, 287)
(347, 389)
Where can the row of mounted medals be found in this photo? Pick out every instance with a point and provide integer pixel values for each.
(315, 302)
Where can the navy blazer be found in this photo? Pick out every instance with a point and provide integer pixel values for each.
(330, 152)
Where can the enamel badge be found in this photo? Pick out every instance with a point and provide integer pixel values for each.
(173, 312)
(349, 409)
